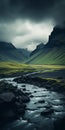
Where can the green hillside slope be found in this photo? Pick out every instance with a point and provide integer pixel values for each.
(53, 53)
(49, 56)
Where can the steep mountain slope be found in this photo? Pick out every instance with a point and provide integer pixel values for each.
(53, 52)
(38, 49)
(8, 52)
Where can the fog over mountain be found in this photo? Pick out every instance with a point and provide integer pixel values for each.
(28, 23)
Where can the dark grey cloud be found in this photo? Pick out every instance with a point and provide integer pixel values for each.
(29, 22)
(36, 10)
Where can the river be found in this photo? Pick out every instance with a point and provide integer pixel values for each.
(40, 100)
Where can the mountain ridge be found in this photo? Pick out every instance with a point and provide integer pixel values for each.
(8, 52)
(53, 52)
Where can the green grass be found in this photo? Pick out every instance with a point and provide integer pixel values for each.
(55, 56)
(14, 67)
(54, 82)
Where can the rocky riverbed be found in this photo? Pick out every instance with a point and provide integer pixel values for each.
(39, 106)
(12, 102)
(50, 84)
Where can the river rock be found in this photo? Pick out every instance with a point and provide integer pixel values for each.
(10, 114)
(28, 93)
(24, 98)
(47, 112)
(31, 96)
(24, 89)
(35, 91)
(12, 102)
(23, 86)
(7, 96)
(59, 124)
(41, 101)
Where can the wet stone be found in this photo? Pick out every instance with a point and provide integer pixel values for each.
(12, 102)
(28, 93)
(41, 101)
(24, 89)
(35, 91)
(47, 112)
(31, 96)
(59, 124)
(7, 97)
(23, 86)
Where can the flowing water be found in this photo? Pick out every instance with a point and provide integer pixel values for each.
(40, 100)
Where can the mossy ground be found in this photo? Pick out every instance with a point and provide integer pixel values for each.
(55, 56)
(14, 67)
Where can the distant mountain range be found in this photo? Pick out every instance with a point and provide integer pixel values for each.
(25, 51)
(51, 53)
(8, 52)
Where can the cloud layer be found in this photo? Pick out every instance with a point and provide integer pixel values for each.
(35, 10)
(25, 34)
(26, 22)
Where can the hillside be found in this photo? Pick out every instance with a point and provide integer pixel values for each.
(38, 49)
(53, 52)
(8, 52)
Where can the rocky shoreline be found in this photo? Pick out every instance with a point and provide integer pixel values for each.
(50, 84)
(12, 102)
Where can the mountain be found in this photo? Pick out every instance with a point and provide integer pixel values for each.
(8, 52)
(24, 51)
(38, 49)
(53, 52)
(57, 37)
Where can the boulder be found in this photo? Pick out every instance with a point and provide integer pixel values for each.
(23, 86)
(59, 124)
(47, 112)
(7, 96)
(31, 96)
(24, 98)
(41, 101)
(12, 102)
(24, 89)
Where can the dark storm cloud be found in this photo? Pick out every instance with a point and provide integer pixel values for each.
(29, 22)
(35, 10)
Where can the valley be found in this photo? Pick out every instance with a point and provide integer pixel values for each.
(32, 64)
(32, 85)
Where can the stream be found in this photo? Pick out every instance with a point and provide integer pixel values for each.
(40, 100)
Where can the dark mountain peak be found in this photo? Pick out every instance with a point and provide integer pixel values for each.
(57, 37)
(58, 30)
(40, 46)
(6, 46)
(52, 53)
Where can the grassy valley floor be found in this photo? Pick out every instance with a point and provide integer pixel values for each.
(49, 71)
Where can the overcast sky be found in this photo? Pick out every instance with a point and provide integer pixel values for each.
(27, 23)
